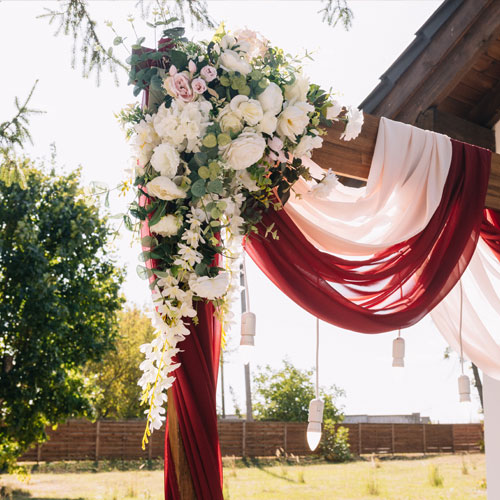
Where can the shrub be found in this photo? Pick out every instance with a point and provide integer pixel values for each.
(335, 445)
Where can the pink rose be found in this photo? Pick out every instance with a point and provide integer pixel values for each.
(199, 86)
(276, 144)
(209, 73)
(178, 86)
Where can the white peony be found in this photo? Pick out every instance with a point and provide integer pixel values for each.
(306, 145)
(164, 188)
(268, 124)
(145, 140)
(166, 226)
(251, 42)
(245, 150)
(271, 99)
(231, 61)
(354, 125)
(210, 288)
(333, 112)
(297, 91)
(293, 120)
(183, 124)
(165, 160)
(227, 41)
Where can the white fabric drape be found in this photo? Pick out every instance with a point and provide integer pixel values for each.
(405, 185)
(404, 188)
(481, 312)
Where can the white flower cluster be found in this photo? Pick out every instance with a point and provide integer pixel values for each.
(228, 110)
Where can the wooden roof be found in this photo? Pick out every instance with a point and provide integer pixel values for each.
(448, 79)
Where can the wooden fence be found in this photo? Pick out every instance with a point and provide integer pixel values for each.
(106, 439)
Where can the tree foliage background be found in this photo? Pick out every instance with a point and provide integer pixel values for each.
(115, 393)
(284, 394)
(59, 292)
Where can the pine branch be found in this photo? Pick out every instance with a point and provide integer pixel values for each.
(336, 11)
(74, 20)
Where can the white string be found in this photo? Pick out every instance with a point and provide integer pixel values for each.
(317, 358)
(247, 292)
(460, 327)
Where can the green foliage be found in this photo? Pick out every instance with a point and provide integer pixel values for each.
(436, 479)
(58, 296)
(335, 443)
(336, 11)
(114, 379)
(284, 395)
(14, 133)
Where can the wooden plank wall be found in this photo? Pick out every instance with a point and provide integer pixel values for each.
(106, 439)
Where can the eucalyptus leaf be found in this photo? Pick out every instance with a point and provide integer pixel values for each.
(215, 186)
(143, 272)
(198, 188)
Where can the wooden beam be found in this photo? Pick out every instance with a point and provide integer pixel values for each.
(447, 74)
(353, 158)
(457, 128)
(487, 110)
(430, 62)
(182, 472)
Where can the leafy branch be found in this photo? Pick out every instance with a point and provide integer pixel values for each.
(336, 11)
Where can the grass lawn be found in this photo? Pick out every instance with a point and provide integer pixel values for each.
(456, 477)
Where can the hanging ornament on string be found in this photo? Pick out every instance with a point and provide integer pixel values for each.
(316, 406)
(463, 380)
(398, 347)
(248, 320)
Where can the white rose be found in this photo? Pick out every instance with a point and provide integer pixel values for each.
(306, 145)
(293, 120)
(271, 99)
(245, 150)
(333, 112)
(298, 90)
(210, 288)
(227, 41)
(167, 226)
(250, 109)
(230, 121)
(354, 125)
(165, 160)
(231, 61)
(268, 123)
(164, 188)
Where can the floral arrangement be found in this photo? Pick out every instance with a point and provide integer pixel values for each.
(220, 141)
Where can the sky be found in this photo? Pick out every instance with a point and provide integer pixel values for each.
(79, 119)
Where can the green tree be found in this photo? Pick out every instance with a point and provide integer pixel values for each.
(284, 394)
(114, 379)
(59, 293)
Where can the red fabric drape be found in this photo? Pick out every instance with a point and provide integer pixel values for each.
(490, 230)
(194, 392)
(366, 294)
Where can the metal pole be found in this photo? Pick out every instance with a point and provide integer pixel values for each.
(244, 305)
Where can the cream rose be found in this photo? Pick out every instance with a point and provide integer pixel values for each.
(230, 121)
(268, 124)
(245, 150)
(165, 160)
(210, 288)
(231, 61)
(166, 226)
(164, 188)
(306, 145)
(250, 109)
(293, 120)
(271, 99)
(298, 90)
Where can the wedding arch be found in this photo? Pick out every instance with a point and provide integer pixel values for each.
(222, 150)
